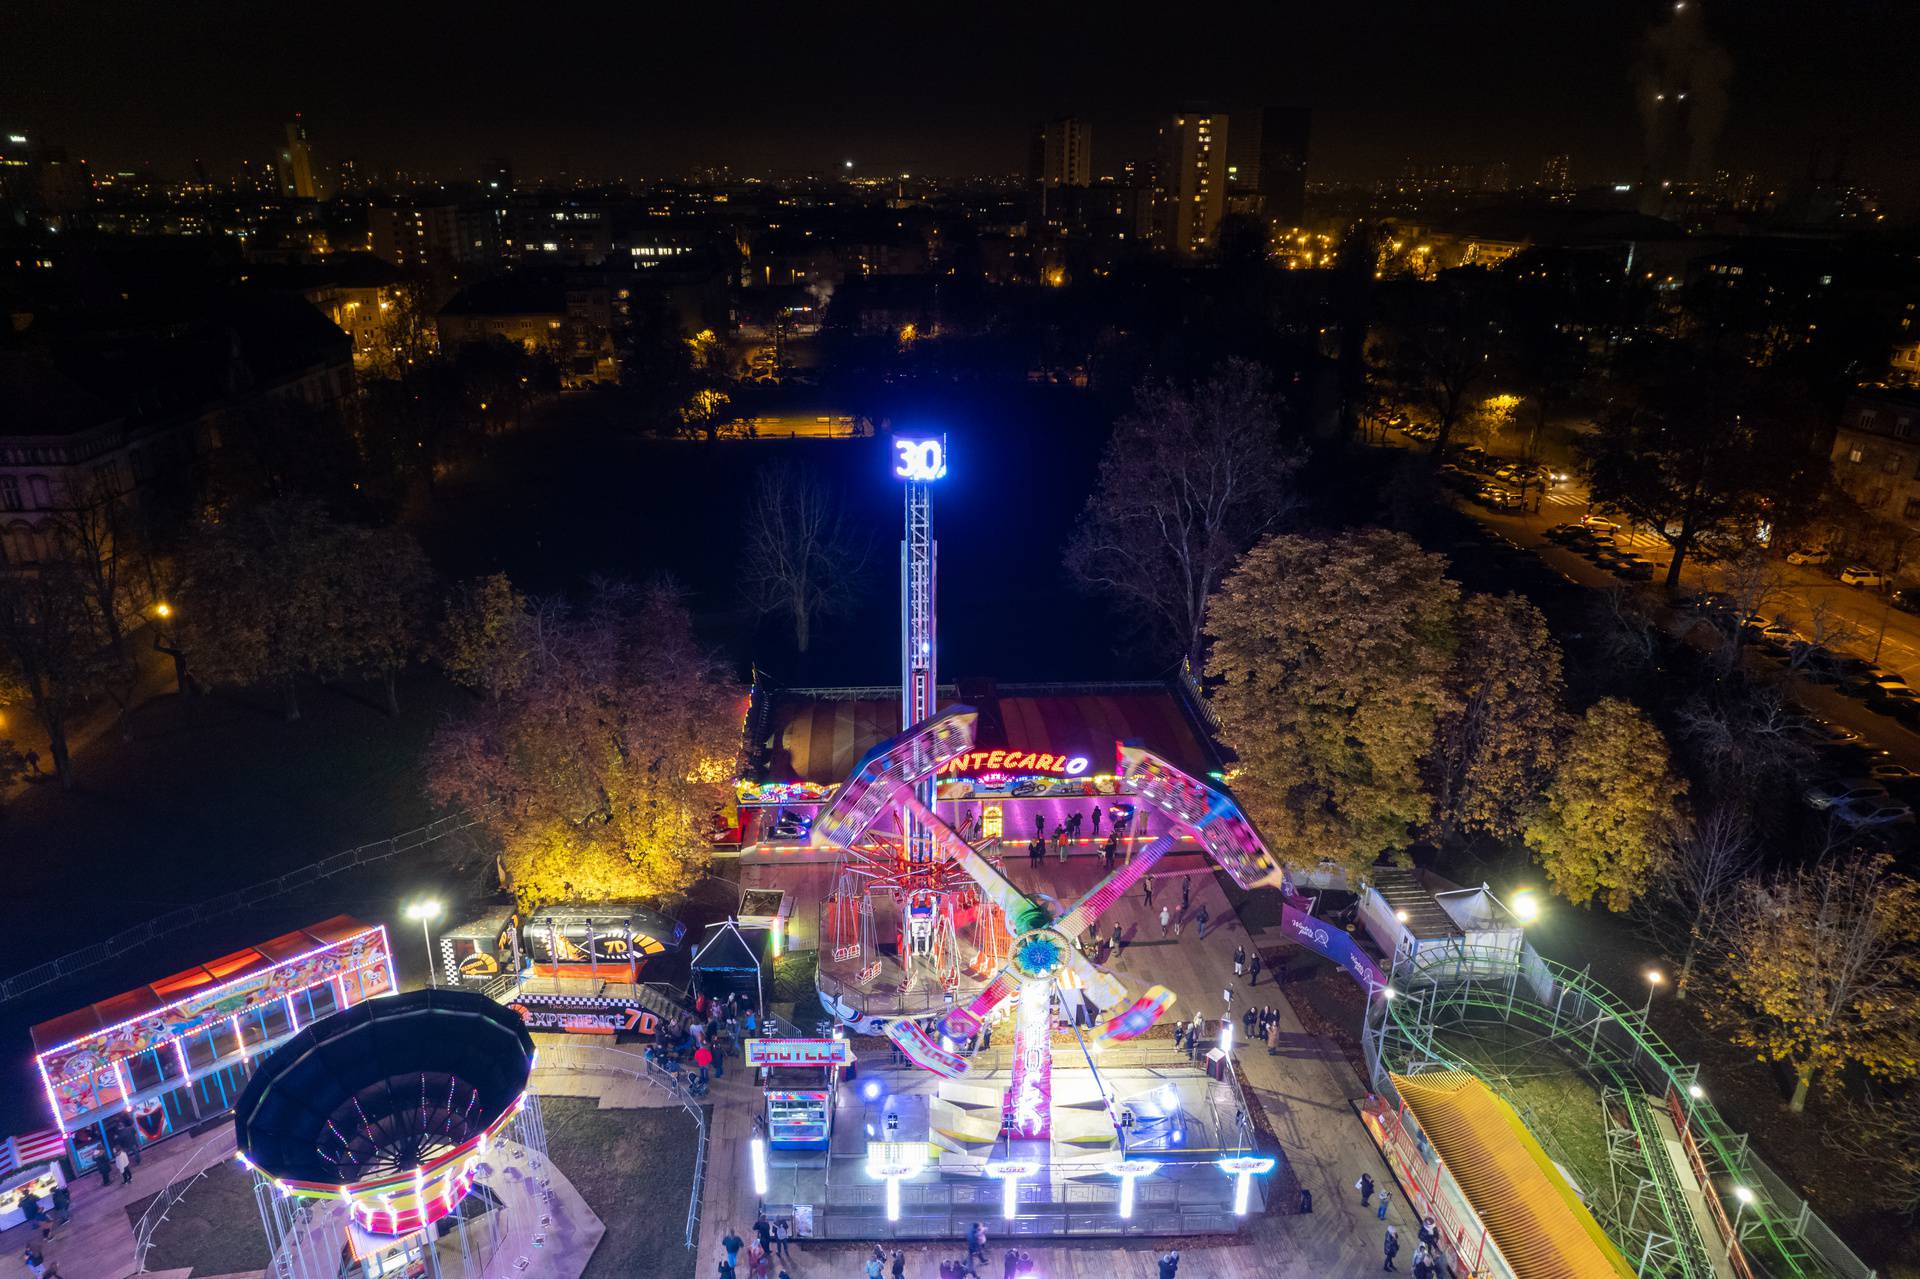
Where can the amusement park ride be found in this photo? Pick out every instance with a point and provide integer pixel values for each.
(1024, 945)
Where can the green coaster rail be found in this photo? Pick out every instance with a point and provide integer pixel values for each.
(1489, 978)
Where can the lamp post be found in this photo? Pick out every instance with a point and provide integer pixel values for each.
(1655, 978)
(1526, 907)
(426, 912)
(1745, 1197)
(1694, 1093)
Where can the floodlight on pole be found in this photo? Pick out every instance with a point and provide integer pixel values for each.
(1526, 907)
(426, 912)
(1655, 979)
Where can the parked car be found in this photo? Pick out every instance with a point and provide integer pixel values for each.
(1861, 575)
(1839, 790)
(1566, 533)
(1599, 524)
(1635, 569)
(1863, 813)
(1815, 555)
(1888, 773)
(1821, 733)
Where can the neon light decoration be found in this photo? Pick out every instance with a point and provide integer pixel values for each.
(799, 1052)
(1244, 1168)
(1130, 1171)
(83, 1073)
(919, 460)
(894, 1162)
(987, 763)
(1011, 1173)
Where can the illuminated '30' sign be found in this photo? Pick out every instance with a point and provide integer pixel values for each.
(918, 461)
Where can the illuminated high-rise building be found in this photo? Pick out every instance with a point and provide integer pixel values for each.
(1190, 182)
(1555, 174)
(296, 163)
(1062, 154)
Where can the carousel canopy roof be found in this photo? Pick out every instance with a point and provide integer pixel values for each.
(817, 735)
(382, 1086)
(156, 995)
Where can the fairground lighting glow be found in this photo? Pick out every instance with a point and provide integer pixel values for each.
(1244, 1168)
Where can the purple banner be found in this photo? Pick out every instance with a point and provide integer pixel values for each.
(1323, 939)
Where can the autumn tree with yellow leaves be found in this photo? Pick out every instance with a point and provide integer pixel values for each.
(1603, 828)
(597, 769)
(1820, 970)
(1329, 670)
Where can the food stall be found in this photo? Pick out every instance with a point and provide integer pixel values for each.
(39, 1181)
(799, 1076)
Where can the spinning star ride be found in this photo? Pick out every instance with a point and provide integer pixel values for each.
(1043, 952)
(371, 1126)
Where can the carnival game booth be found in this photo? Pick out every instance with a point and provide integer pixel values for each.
(169, 1055)
(398, 1138)
(566, 968)
(799, 1077)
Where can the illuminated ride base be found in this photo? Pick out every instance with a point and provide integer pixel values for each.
(399, 1138)
(1056, 1151)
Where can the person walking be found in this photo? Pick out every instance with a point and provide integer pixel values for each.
(1247, 1022)
(1060, 841)
(125, 1167)
(1273, 1036)
(1039, 825)
(976, 1242)
(1381, 1212)
(1430, 1235)
(62, 1204)
(1422, 1263)
(782, 1238)
(1170, 1264)
(1119, 942)
(1146, 888)
(1253, 968)
(1306, 1202)
(35, 1214)
(1096, 821)
(899, 1264)
(1239, 961)
(763, 1229)
(733, 1244)
(1010, 1264)
(1200, 923)
(1365, 1187)
(1391, 1246)
(1166, 919)
(877, 1264)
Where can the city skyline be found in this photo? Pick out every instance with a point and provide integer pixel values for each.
(644, 102)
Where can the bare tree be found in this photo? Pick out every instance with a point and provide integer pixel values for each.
(1882, 1139)
(1711, 857)
(1189, 481)
(1743, 736)
(801, 559)
(1628, 633)
(98, 536)
(51, 650)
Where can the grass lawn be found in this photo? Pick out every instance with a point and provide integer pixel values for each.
(635, 1169)
(214, 1228)
(1559, 1105)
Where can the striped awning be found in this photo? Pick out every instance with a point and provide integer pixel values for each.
(1527, 1205)
(819, 737)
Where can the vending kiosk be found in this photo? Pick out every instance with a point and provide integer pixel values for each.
(799, 1076)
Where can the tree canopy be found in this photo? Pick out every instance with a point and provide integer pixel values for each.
(1602, 828)
(599, 770)
(1329, 668)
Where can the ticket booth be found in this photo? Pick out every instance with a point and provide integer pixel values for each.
(799, 1077)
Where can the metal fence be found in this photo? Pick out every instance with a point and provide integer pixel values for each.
(1594, 1027)
(591, 1059)
(203, 1161)
(74, 962)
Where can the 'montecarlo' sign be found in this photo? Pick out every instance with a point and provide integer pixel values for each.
(799, 1052)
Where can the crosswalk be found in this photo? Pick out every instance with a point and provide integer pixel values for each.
(1634, 539)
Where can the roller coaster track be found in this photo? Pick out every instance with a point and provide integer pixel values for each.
(1611, 1040)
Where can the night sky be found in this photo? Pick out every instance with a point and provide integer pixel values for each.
(645, 89)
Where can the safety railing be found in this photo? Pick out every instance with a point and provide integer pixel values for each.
(203, 1161)
(593, 1059)
(1592, 1024)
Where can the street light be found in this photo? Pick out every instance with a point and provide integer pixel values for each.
(426, 912)
(1745, 1196)
(163, 610)
(1655, 978)
(1526, 907)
